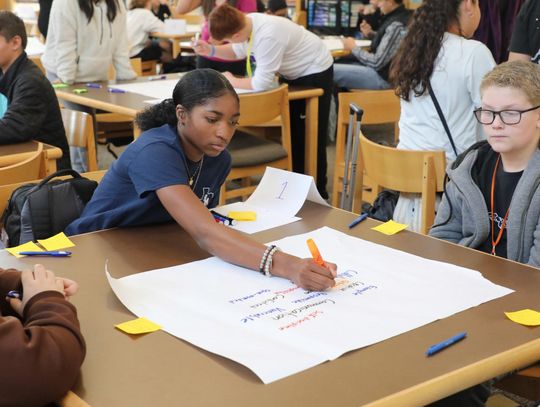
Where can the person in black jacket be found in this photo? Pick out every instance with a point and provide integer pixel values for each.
(31, 110)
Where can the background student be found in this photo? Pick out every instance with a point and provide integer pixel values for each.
(369, 69)
(277, 8)
(236, 66)
(525, 42)
(41, 346)
(282, 47)
(84, 39)
(492, 201)
(31, 110)
(141, 21)
(174, 171)
(437, 52)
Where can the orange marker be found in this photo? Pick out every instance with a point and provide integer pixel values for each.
(315, 252)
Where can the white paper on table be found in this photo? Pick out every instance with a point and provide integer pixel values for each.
(34, 47)
(335, 43)
(175, 26)
(277, 329)
(158, 90)
(276, 200)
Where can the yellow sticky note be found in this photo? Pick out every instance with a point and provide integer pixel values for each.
(138, 326)
(243, 215)
(390, 228)
(27, 247)
(57, 242)
(527, 317)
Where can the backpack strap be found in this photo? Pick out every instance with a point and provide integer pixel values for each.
(441, 116)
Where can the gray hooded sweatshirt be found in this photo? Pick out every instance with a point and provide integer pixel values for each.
(468, 221)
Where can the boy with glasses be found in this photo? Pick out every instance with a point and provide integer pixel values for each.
(492, 201)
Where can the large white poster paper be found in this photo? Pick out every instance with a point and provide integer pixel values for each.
(277, 329)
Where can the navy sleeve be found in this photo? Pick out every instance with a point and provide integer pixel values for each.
(156, 166)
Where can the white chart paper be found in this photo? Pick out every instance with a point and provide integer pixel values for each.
(157, 90)
(276, 200)
(335, 43)
(277, 329)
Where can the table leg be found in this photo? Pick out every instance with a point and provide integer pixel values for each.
(312, 112)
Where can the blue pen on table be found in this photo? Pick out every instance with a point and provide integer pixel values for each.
(157, 78)
(116, 90)
(13, 294)
(222, 218)
(93, 85)
(50, 254)
(359, 219)
(445, 344)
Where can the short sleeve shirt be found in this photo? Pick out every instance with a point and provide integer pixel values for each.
(126, 196)
(526, 34)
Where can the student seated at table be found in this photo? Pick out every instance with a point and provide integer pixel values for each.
(140, 23)
(369, 69)
(281, 47)
(29, 108)
(174, 171)
(492, 201)
(41, 346)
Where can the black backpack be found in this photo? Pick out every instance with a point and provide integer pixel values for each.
(39, 211)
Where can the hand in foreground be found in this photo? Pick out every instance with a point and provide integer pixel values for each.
(40, 280)
(348, 43)
(201, 47)
(365, 29)
(311, 276)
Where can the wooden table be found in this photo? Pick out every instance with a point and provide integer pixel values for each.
(191, 30)
(14, 153)
(161, 370)
(131, 103)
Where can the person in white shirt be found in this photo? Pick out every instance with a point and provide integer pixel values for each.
(437, 52)
(140, 23)
(84, 39)
(280, 47)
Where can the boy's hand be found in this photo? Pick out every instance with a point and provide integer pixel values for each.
(348, 43)
(37, 281)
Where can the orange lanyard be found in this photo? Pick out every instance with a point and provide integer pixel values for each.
(495, 241)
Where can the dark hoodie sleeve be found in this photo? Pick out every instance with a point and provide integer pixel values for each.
(41, 353)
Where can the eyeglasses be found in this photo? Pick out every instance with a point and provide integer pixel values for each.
(508, 117)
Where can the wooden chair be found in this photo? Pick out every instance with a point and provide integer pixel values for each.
(80, 133)
(28, 169)
(114, 125)
(380, 106)
(251, 154)
(402, 170)
(148, 68)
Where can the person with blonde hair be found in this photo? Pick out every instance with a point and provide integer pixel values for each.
(492, 201)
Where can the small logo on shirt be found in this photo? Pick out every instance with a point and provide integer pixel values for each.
(207, 196)
(497, 219)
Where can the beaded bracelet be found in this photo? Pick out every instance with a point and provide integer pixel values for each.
(268, 263)
(264, 257)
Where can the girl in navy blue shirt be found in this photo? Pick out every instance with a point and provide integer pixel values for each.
(174, 171)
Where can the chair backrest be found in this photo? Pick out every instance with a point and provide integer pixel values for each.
(405, 171)
(263, 107)
(80, 133)
(379, 106)
(28, 169)
(136, 64)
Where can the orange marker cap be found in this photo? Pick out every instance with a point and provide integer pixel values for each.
(315, 252)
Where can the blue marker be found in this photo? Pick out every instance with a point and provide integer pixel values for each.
(51, 254)
(157, 78)
(116, 90)
(13, 294)
(93, 85)
(433, 349)
(359, 219)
